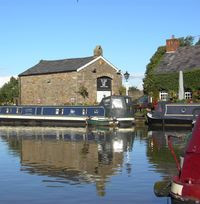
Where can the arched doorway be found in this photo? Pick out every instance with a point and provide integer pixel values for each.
(104, 87)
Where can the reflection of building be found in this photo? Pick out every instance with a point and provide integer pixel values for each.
(60, 82)
(73, 157)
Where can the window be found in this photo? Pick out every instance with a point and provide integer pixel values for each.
(117, 103)
(163, 95)
(8, 110)
(84, 111)
(188, 95)
(106, 102)
(18, 110)
(59, 111)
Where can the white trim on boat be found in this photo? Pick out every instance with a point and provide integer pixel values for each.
(183, 104)
(31, 117)
(178, 115)
(125, 119)
(176, 189)
(111, 119)
(100, 118)
(149, 115)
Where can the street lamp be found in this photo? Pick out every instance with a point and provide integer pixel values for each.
(126, 76)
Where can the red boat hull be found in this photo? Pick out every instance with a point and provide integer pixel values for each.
(186, 186)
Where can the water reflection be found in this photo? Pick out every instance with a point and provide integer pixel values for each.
(70, 156)
(158, 152)
(73, 159)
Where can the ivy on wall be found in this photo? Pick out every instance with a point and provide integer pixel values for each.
(192, 79)
(169, 81)
(153, 83)
(150, 85)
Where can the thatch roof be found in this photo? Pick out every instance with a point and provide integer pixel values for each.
(184, 58)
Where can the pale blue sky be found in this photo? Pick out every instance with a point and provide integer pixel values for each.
(129, 31)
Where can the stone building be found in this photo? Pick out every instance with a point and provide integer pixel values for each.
(70, 81)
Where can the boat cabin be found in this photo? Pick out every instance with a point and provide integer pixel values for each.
(117, 106)
(174, 113)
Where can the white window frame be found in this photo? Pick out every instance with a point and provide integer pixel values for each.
(163, 95)
(188, 95)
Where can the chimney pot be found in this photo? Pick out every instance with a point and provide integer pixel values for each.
(172, 44)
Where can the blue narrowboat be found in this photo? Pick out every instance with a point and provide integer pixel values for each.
(113, 110)
(48, 115)
(173, 114)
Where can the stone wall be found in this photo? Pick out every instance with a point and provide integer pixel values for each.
(62, 88)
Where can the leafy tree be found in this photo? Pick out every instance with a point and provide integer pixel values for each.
(187, 41)
(133, 88)
(198, 42)
(9, 91)
(122, 91)
(149, 80)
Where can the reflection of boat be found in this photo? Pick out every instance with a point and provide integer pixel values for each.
(173, 114)
(186, 186)
(158, 153)
(113, 110)
(72, 156)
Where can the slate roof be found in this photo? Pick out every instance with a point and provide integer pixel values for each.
(185, 59)
(57, 66)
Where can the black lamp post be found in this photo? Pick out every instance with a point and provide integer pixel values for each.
(126, 76)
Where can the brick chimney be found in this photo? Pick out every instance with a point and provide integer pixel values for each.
(172, 44)
(98, 51)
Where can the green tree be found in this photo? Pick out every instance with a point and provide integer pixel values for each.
(122, 91)
(133, 88)
(187, 41)
(149, 83)
(198, 42)
(9, 91)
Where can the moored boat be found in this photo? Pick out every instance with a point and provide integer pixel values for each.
(173, 114)
(186, 185)
(118, 112)
(112, 111)
(48, 115)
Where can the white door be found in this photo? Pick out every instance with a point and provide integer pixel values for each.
(102, 94)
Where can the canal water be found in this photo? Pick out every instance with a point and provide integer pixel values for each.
(87, 166)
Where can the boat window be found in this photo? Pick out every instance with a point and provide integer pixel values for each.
(8, 110)
(106, 102)
(96, 111)
(18, 111)
(84, 111)
(59, 111)
(117, 103)
(39, 111)
(183, 110)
